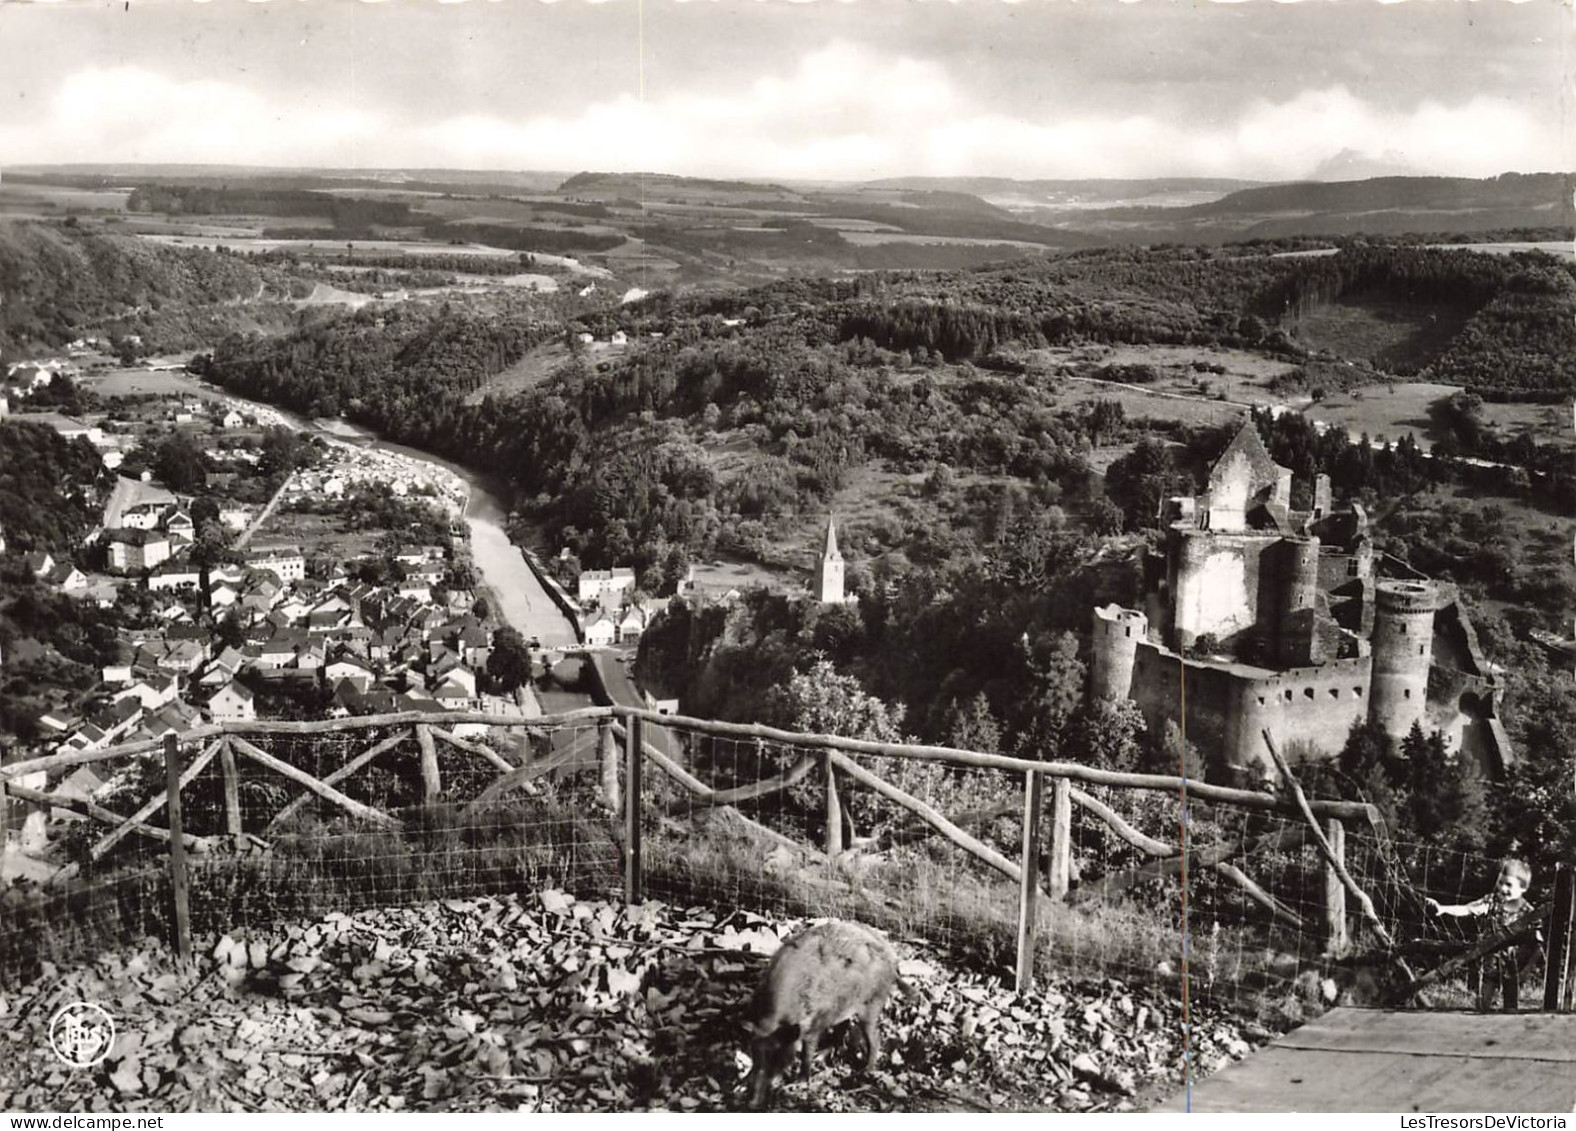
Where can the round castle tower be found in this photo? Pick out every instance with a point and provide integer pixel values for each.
(1403, 649)
(1298, 639)
(1117, 634)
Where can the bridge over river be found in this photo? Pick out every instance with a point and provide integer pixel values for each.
(1372, 1060)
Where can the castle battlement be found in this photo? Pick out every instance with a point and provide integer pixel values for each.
(1303, 640)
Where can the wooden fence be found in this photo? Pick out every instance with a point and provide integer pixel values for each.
(614, 746)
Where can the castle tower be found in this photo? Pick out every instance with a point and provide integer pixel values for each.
(829, 571)
(1403, 648)
(1296, 636)
(1117, 634)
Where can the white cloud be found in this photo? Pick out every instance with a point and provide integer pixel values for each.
(129, 114)
(843, 111)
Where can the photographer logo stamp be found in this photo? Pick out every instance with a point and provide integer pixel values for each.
(81, 1034)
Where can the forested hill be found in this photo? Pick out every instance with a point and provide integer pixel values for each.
(58, 283)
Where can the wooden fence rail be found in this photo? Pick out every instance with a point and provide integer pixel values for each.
(616, 748)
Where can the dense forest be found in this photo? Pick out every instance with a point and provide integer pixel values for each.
(59, 283)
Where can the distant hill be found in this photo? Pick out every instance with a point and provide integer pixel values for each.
(1379, 206)
(637, 186)
(1350, 165)
(1022, 194)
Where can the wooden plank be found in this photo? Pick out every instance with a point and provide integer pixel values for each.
(1533, 1036)
(1060, 877)
(338, 776)
(431, 780)
(326, 792)
(1557, 964)
(96, 812)
(232, 789)
(1401, 1062)
(834, 810)
(1335, 937)
(158, 801)
(611, 794)
(970, 844)
(1029, 884)
(630, 847)
(481, 750)
(180, 877)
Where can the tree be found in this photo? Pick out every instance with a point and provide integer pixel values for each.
(1140, 480)
(509, 662)
(972, 726)
(1108, 735)
(823, 701)
(180, 464)
(1053, 689)
(1445, 799)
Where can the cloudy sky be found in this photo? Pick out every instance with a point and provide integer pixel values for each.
(779, 89)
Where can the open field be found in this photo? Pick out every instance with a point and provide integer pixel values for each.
(1386, 413)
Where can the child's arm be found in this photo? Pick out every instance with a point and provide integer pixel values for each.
(1457, 910)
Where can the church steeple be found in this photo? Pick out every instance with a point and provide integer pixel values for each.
(829, 570)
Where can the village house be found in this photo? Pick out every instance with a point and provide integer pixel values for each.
(594, 584)
(286, 562)
(134, 551)
(231, 419)
(40, 562)
(152, 691)
(142, 516)
(67, 577)
(233, 702)
(601, 630)
(176, 573)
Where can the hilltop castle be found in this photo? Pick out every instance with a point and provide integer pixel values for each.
(1266, 618)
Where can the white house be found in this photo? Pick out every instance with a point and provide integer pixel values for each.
(232, 419)
(233, 701)
(601, 630)
(134, 550)
(287, 562)
(596, 583)
(174, 575)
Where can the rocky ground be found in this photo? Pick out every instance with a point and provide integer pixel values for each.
(549, 1003)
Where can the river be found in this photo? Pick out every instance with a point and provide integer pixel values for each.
(522, 601)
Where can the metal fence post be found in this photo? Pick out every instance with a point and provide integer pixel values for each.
(631, 846)
(1335, 937)
(1029, 884)
(1557, 978)
(179, 878)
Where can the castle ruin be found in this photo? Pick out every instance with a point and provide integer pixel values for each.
(1266, 618)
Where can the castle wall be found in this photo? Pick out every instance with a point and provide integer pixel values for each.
(1229, 705)
(1223, 584)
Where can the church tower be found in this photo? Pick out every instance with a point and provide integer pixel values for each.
(828, 587)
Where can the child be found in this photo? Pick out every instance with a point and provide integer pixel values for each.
(1501, 907)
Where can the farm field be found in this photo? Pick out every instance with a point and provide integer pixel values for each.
(1385, 413)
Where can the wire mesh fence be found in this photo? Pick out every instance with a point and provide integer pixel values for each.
(1029, 869)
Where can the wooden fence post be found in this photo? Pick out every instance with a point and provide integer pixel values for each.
(1029, 881)
(1558, 975)
(610, 790)
(431, 781)
(1061, 869)
(633, 758)
(1336, 940)
(834, 812)
(232, 789)
(179, 880)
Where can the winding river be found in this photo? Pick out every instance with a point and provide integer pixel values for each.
(522, 601)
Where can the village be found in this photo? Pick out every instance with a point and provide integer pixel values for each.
(235, 618)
